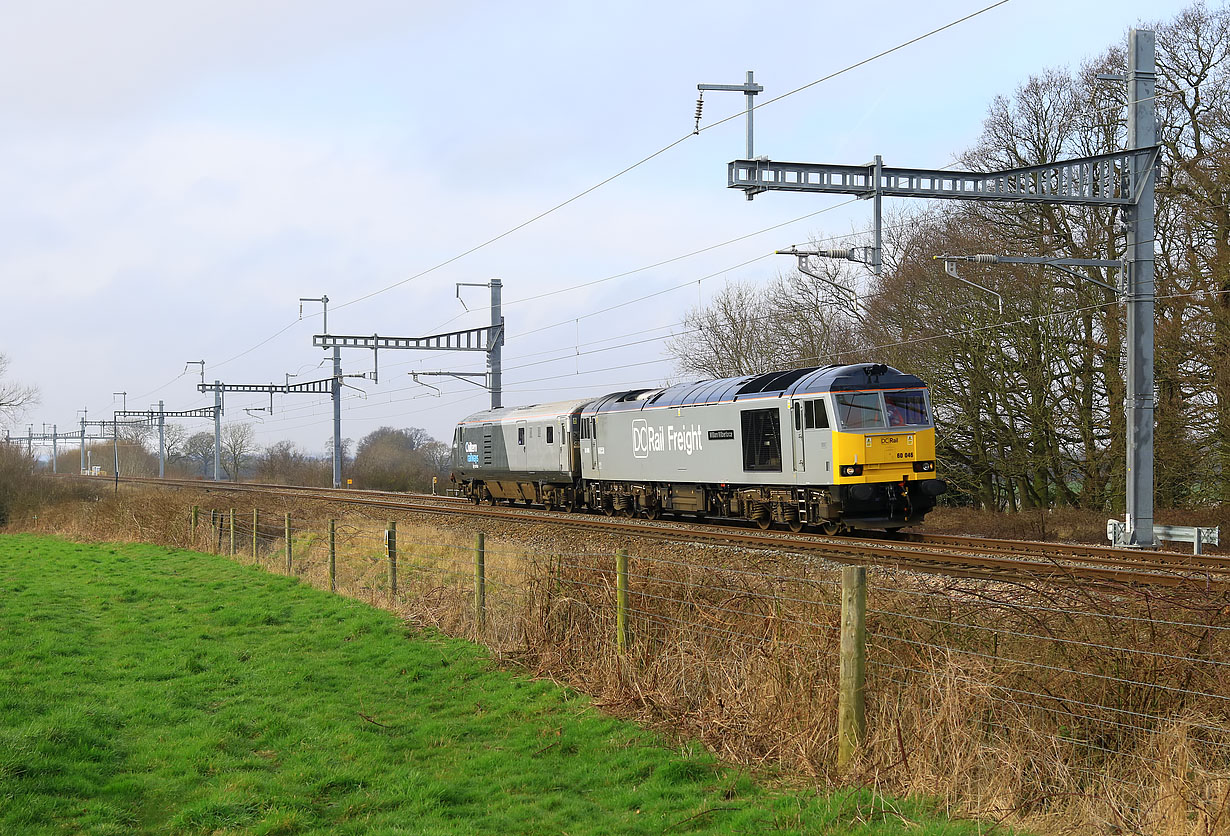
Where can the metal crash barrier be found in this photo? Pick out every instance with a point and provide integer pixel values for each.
(1198, 536)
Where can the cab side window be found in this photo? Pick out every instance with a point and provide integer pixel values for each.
(816, 417)
(549, 431)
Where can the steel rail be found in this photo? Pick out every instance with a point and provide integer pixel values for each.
(1074, 550)
(964, 557)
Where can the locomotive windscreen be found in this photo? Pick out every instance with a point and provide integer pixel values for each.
(906, 408)
(860, 411)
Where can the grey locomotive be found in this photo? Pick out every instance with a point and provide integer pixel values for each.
(826, 447)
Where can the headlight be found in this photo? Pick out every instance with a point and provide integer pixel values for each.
(924, 467)
(851, 470)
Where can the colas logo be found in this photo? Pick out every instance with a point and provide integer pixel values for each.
(671, 439)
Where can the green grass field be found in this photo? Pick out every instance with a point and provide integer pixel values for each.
(146, 690)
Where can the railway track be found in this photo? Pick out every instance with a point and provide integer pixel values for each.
(956, 556)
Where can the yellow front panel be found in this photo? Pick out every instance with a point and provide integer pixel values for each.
(886, 457)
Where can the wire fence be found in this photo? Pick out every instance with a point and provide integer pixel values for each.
(1052, 703)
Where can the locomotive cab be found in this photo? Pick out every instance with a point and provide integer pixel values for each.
(884, 451)
(884, 436)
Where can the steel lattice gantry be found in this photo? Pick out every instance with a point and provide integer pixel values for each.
(55, 436)
(471, 339)
(312, 387)
(160, 416)
(115, 425)
(1114, 179)
(1123, 179)
(487, 339)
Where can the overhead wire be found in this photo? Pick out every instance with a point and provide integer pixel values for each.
(815, 358)
(660, 263)
(689, 283)
(638, 163)
(570, 352)
(676, 142)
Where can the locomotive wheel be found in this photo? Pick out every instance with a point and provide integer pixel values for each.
(570, 502)
(796, 525)
(764, 522)
(608, 509)
(653, 512)
(830, 527)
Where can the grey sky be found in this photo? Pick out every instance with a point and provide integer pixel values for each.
(176, 175)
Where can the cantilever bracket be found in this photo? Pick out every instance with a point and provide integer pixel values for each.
(459, 375)
(1060, 264)
(950, 267)
(849, 254)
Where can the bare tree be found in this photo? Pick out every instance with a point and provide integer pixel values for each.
(15, 397)
(139, 432)
(792, 320)
(238, 445)
(175, 440)
(199, 451)
(285, 464)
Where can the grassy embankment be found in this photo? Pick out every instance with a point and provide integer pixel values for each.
(152, 690)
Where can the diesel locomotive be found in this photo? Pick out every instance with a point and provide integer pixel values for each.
(828, 448)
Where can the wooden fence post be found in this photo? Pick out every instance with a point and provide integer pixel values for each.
(194, 517)
(390, 542)
(480, 580)
(333, 555)
(232, 519)
(256, 521)
(621, 600)
(851, 715)
(215, 530)
(288, 566)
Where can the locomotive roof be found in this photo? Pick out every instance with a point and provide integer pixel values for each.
(784, 383)
(521, 413)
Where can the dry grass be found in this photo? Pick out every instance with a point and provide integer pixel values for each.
(1068, 709)
(1069, 525)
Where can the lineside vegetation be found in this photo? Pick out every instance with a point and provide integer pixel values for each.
(149, 690)
(1065, 708)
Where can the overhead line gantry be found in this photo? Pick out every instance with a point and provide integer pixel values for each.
(160, 416)
(324, 386)
(1123, 179)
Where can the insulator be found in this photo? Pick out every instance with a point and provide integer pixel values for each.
(847, 254)
(700, 105)
(984, 258)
